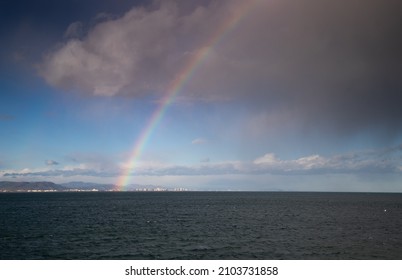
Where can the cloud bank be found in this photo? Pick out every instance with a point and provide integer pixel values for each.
(335, 64)
(382, 161)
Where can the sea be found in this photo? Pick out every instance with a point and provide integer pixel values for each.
(200, 225)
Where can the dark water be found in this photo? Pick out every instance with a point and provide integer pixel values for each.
(198, 225)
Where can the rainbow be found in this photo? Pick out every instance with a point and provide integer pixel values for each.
(177, 84)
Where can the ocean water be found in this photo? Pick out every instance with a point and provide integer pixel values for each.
(200, 225)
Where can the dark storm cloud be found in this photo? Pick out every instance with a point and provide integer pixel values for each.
(332, 63)
(354, 78)
(336, 65)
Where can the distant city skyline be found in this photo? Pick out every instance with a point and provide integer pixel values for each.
(207, 95)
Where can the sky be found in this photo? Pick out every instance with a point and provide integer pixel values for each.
(276, 95)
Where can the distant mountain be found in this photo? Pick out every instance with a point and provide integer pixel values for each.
(30, 186)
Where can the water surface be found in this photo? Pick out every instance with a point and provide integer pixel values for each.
(200, 225)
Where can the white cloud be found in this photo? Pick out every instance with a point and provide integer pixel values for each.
(199, 141)
(312, 162)
(267, 159)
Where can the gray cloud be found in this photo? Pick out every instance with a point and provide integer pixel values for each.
(5, 117)
(51, 162)
(74, 30)
(333, 64)
(138, 53)
(205, 160)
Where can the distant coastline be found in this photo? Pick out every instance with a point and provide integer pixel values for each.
(45, 186)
